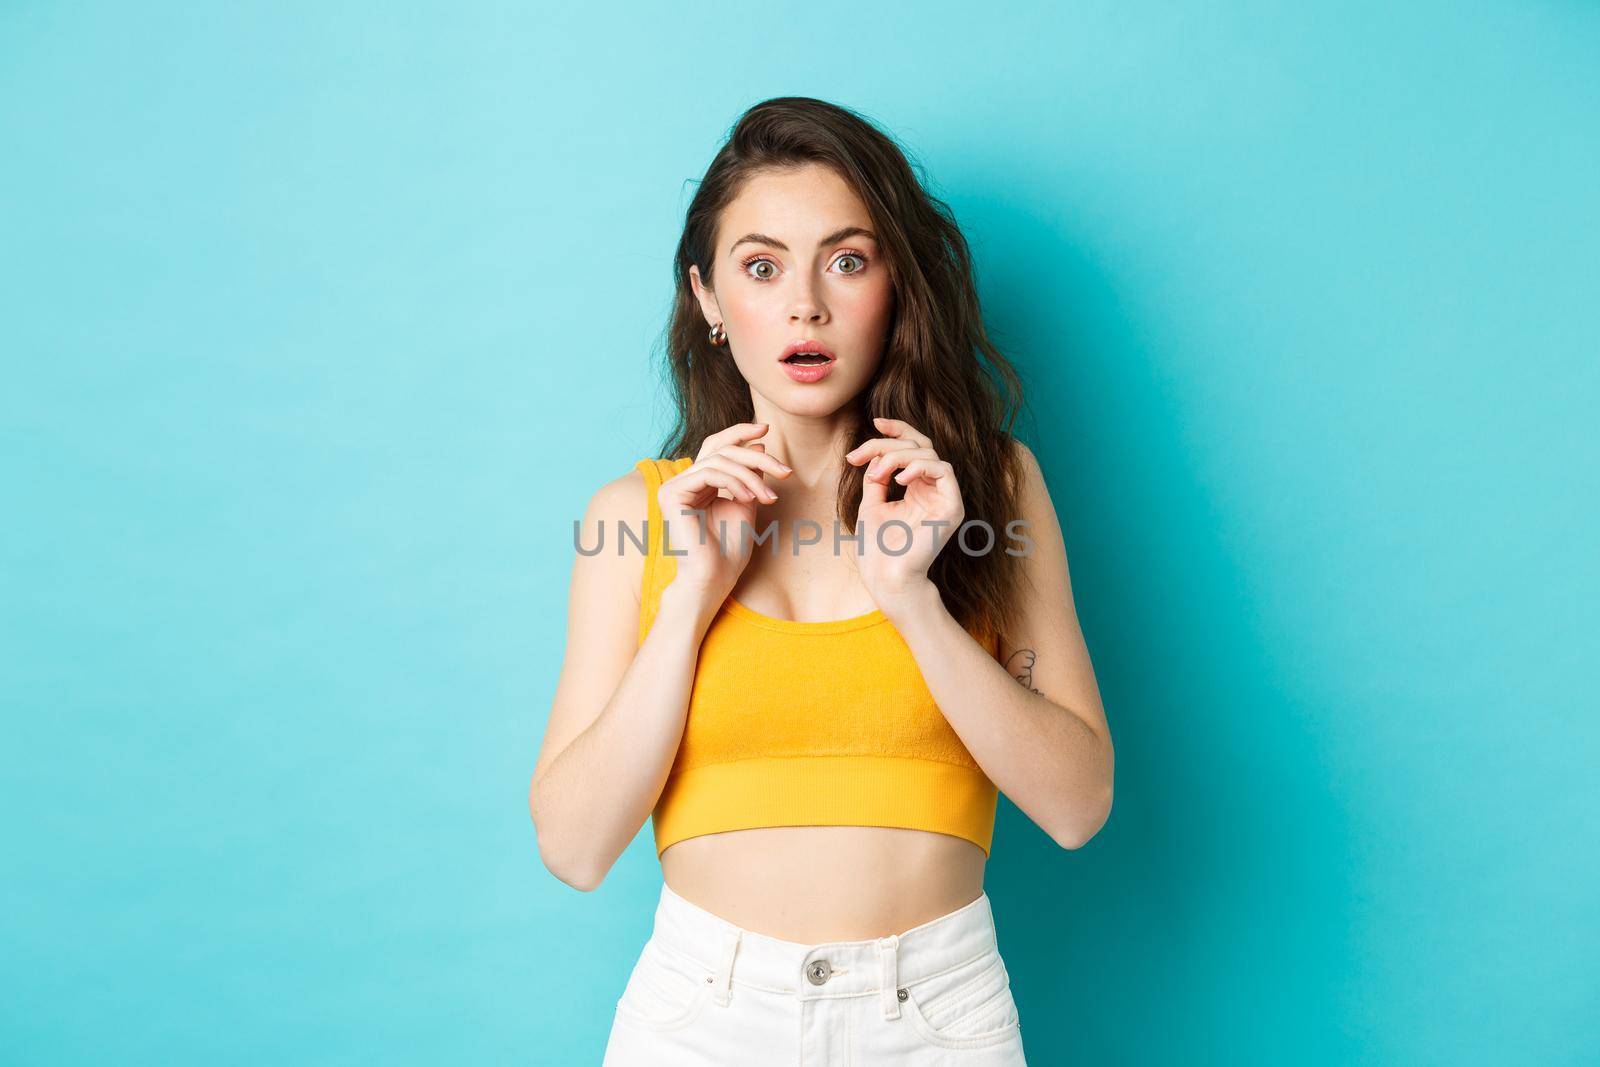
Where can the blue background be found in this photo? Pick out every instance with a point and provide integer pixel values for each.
(321, 322)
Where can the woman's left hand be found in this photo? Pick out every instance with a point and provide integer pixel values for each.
(932, 496)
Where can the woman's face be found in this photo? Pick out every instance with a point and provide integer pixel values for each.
(796, 260)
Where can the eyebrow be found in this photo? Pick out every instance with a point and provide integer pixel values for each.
(832, 238)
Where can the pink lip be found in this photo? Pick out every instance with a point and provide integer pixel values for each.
(807, 373)
(805, 345)
(803, 373)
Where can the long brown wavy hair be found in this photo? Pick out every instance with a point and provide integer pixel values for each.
(939, 371)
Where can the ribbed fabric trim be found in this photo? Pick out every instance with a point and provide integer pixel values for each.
(659, 569)
(844, 790)
(652, 540)
(795, 626)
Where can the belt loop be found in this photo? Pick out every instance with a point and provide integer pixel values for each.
(722, 988)
(889, 977)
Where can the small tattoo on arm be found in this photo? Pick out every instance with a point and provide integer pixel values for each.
(1020, 667)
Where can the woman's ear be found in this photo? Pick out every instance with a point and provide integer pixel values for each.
(707, 298)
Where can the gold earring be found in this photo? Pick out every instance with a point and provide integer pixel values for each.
(719, 336)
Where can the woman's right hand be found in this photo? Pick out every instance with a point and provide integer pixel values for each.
(716, 541)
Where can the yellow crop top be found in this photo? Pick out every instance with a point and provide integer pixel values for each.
(807, 723)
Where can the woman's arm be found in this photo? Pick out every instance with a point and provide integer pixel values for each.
(1035, 724)
(620, 706)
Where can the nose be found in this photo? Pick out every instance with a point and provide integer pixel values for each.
(808, 316)
(807, 305)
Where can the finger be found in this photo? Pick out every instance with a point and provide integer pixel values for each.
(755, 456)
(748, 477)
(866, 450)
(898, 428)
(886, 464)
(873, 494)
(855, 453)
(705, 488)
(690, 486)
(904, 455)
(735, 434)
(921, 468)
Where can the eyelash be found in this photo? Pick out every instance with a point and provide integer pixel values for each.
(745, 265)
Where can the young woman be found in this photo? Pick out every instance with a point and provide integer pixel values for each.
(805, 677)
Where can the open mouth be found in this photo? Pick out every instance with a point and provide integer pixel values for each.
(807, 362)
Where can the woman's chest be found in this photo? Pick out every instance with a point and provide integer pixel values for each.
(842, 688)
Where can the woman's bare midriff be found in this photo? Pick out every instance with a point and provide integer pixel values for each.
(825, 883)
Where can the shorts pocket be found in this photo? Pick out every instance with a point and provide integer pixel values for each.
(665, 990)
(968, 1007)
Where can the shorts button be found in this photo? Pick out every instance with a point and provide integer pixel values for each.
(818, 971)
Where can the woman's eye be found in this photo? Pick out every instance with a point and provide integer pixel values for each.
(753, 267)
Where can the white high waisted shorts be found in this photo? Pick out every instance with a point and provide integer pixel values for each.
(706, 992)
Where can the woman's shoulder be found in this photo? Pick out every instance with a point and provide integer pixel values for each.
(1025, 472)
(621, 503)
(1019, 450)
(620, 498)
(625, 497)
